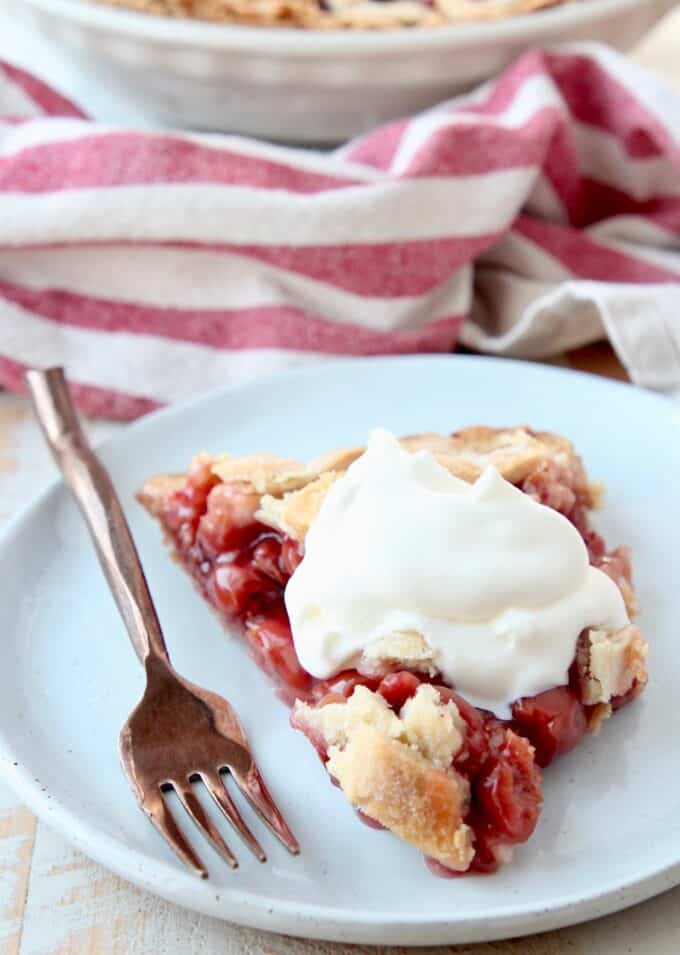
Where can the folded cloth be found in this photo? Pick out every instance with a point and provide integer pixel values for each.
(538, 213)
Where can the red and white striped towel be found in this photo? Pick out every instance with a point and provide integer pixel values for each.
(538, 213)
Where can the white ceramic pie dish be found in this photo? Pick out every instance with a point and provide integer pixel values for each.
(609, 834)
(308, 86)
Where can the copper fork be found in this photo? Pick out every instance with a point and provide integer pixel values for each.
(178, 733)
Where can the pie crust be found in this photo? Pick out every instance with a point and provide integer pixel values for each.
(398, 768)
(292, 491)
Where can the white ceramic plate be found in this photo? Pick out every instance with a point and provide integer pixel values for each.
(609, 835)
(306, 85)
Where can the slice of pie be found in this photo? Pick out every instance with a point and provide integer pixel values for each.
(456, 622)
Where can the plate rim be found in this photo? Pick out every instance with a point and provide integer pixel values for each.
(312, 920)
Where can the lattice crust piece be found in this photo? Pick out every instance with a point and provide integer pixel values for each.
(398, 768)
(407, 649)
(336, 14)
(292, 491)
(611, 664)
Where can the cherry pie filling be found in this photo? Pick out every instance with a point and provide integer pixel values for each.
(242, 566)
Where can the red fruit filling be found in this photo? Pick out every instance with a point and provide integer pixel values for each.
(242, 567)
(553, 722)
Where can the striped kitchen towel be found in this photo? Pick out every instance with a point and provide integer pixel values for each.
(538, 213)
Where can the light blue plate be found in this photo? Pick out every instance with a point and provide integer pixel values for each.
(609, 835)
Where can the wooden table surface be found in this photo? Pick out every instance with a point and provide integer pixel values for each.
(54, 900)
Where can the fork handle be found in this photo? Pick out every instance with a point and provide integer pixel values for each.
(93, 490)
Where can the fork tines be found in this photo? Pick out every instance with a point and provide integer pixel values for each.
(251, 785)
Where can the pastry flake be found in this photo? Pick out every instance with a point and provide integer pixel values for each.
(293, 491)
(398, 769)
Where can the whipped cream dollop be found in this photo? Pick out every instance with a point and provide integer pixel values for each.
(498, 586)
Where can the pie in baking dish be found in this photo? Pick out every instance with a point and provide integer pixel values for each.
(438, 611)
(337, 14)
